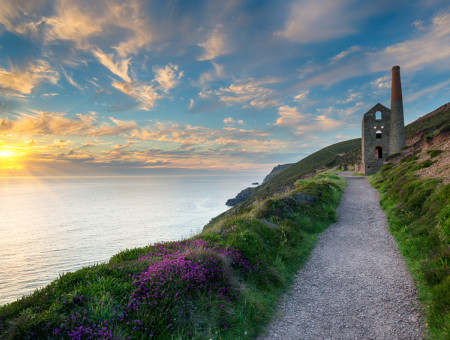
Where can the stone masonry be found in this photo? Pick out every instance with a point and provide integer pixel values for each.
(383, 130)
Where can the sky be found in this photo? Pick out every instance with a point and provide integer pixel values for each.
(136, 87)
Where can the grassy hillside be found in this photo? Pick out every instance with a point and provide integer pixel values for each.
(418, 211)
(415, 192)
(223, 283)
(285, 180)
(431, 123)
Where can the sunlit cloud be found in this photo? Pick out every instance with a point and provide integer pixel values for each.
(301, 96)
(215, 45)
(71, 81)
(167, 77)
(144, 93)
(250, 93)
(119, 68)
(82, 21)
(57, 124)
(23, 80)
(291, 118)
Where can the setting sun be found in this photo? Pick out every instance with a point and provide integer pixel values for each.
(10, 159)
(7, 154)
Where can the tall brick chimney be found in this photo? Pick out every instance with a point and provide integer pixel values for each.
(397, 126)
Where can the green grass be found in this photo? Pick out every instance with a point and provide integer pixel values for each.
(221, 284)
(419, 218)
(328, 156)
(430, 125)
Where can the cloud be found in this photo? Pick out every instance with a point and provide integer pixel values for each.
(320, 20)
(430, 91)
(210, 76)
(290, 117)
(382, 82)
(191, 104)
(352, 96)
(70, 80)
(346, 53)
(144, 93)
(24, 80)
(429, 49)
(215, 45)
(250, 93)
(301, 96)
(57, 124)
(82, 21)
(119, 68)
(167, 77)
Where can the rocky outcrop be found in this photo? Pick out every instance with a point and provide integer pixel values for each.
(247, 193)
(275, 171)
(241, 197)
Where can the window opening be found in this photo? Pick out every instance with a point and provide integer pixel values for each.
(378, 115)
(378, 152)
(378, 134)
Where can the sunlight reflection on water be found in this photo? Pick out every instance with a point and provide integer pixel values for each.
(57, 225)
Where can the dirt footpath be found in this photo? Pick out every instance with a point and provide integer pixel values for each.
(355, 284)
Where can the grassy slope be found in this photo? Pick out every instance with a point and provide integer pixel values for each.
(222, 283)
(285, 179)
(419, 218)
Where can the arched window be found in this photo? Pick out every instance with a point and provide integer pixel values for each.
(378, 152)
(378, 115)
(378, 134)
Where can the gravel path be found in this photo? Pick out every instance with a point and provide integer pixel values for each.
(355, 284)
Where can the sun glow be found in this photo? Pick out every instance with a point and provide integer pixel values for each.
(10, 159)
(7, 154)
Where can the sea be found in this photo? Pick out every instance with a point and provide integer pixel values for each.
(51, 226)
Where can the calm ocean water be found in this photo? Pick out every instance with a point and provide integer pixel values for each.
(50, 226)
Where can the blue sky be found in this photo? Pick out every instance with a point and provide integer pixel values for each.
(132, 87)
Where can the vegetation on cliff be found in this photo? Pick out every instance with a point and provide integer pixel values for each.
(415, 193)
(222, 283)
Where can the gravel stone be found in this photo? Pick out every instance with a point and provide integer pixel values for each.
(355, 284)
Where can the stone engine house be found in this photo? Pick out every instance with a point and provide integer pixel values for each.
(383, 130)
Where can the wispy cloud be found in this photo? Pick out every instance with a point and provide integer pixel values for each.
(251, 93)
(143, 93)
(346, 53)
(428, 91)
(119, 68)
(70, 79)
(290, 117)
(429, 49)
(82, 21)
(147, 94)
(207, 77)
(167, 77)
(23, 80)
(215, 45)
(320, 20)
(58, 124)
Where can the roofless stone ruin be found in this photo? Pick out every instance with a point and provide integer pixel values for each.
(383, 130)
